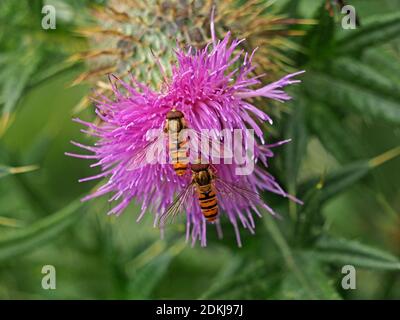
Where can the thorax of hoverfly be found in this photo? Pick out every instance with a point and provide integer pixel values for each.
(175, 122)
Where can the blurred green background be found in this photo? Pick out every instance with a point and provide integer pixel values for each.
(344, 122)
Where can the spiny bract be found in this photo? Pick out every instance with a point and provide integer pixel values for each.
(127, 34)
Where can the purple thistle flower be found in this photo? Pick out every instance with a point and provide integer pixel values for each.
(211, 87)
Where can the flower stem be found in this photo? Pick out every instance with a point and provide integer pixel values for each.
(388, 155)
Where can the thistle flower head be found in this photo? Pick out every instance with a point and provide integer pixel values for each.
(213, 88)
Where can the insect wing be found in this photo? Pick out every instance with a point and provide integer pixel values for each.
(234, 191)
(177, 205)
(146, 154)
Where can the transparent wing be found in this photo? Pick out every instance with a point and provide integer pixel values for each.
(141, 157)
(234, 191)
(176, 205)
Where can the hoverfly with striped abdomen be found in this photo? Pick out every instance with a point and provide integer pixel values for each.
(204, 184)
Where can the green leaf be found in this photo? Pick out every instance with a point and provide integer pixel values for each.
(6, 170)
(332, 132)
(148, 275)
(322, 286)
(380, 29)
(316, 192)
(337, 181)
(350, 174)
(25, 239)
(351, 96)
(237, 280)
(36, 8)
(343, 251)
(9, 222)
(365, 76)
(223, 278)
(310, 220)
(319, 41)
(16, 73)
(47, 73)
(380, 57)
(296, 149)
(289, 257)
(290, 8)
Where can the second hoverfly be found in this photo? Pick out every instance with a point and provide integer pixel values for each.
(206, 185)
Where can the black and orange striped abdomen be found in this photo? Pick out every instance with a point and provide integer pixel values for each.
(179, 157)
(208, 202)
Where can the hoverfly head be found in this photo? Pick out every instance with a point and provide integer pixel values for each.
(174, 114)
(197, 167)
